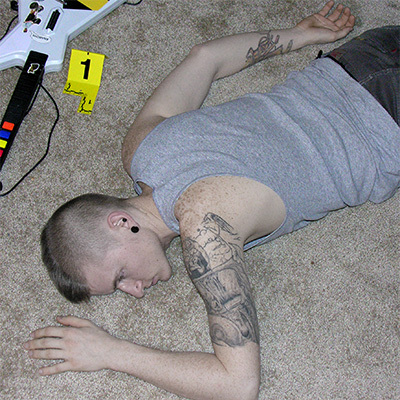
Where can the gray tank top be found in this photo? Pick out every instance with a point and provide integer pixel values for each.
(319, 140)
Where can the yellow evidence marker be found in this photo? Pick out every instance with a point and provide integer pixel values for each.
(84, 77)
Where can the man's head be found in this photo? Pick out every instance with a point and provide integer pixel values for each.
(75, 235)
(92, 245)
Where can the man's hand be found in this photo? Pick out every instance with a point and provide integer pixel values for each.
(81, 345)
(328, 25)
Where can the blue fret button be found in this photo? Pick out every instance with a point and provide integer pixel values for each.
(5, 134)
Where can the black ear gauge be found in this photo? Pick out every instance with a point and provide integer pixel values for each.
(135, 229)
(124, 220)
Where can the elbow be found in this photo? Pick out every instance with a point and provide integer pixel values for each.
(235, 387)
(204, 54)
(199, 51)
(251, 390)
(245, 389)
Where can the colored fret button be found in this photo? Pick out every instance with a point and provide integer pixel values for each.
(5, 135)
(8, 125)
(1, 152)
(3, 144)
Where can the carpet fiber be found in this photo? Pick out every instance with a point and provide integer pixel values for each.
(327, 296)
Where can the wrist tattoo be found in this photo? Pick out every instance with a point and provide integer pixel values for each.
(215, 264)
(267, 47)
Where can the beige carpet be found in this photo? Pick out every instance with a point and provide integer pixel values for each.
(327, 296)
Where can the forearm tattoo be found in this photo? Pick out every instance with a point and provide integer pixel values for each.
(267, 47)
(215, 265)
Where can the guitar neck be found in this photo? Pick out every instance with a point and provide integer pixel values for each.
(21, 100)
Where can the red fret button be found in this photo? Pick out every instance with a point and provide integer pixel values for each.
(8, 125)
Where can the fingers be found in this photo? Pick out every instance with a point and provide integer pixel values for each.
(327, 8)
(345, 20)
(340, 34)
(46, 343)
(45, 354)
(51, 337)
(340, 20)
(50, 331)
(55, 369)
(341, 16)
(72, 343)
(75, 322)
(44, 348)
(48, 348)
(334, 17)
(57, 331)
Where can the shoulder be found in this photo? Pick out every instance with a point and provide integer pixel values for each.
(141, 127)
(250, 208)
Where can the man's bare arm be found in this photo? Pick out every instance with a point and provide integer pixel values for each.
(186, 87)
(214, 259)
(213, 254)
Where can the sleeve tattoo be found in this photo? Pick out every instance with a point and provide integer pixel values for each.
(267, 46)
(215, 264)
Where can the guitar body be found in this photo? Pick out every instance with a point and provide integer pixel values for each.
(46, 26)
(38, 44)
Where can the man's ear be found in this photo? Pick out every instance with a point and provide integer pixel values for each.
(119, 219)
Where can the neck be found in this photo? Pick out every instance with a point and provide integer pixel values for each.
(145, 212)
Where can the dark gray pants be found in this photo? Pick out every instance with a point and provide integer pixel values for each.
(373, 59)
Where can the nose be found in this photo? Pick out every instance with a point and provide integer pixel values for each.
(132, 287)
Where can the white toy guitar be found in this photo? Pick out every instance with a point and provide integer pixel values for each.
(38, 44)
(46, 26)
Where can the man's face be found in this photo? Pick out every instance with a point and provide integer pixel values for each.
(128, 269)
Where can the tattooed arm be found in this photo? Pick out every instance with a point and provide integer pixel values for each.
(186, 87)
(213, 254)
(214, 260)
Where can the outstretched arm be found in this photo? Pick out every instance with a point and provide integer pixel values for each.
(186, 87)
(214, 260)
